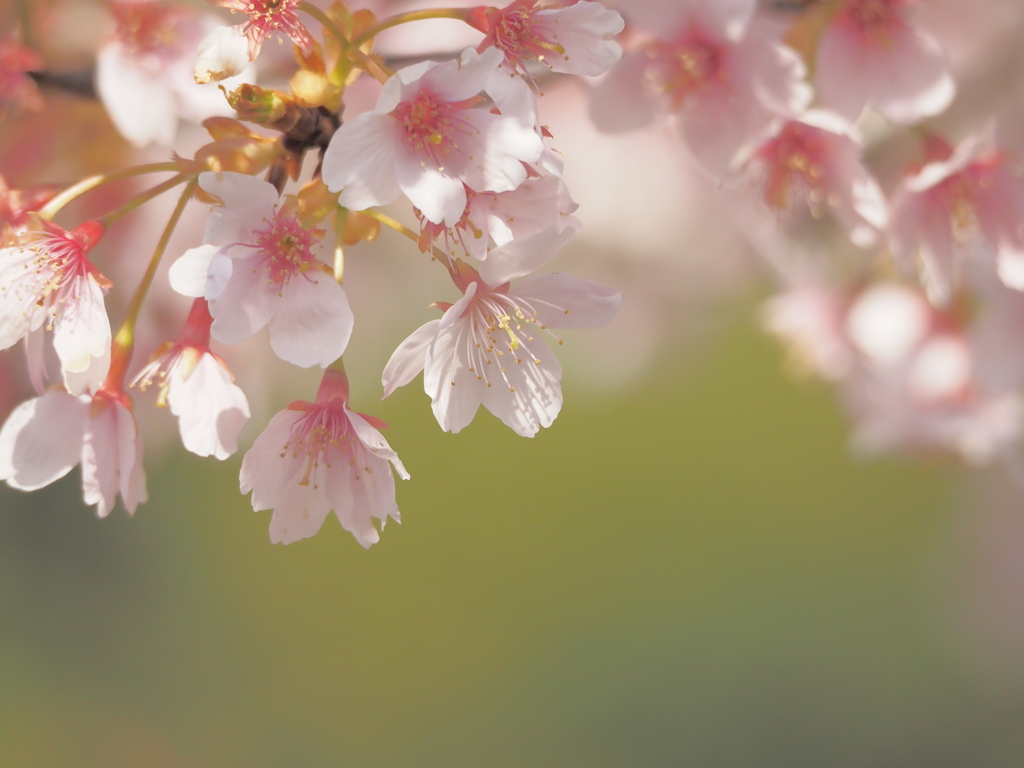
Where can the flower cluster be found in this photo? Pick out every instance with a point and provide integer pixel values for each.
(458, 138)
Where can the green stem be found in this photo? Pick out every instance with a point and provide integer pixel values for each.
(60, 200)
(126, 334)
(398, 226)
(459, 14)
(109, 218)
(328, 24)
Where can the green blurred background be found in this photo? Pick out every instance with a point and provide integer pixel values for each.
(693, 572)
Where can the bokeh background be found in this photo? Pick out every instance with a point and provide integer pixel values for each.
(692, 571)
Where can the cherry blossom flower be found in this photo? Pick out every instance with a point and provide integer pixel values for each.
(223, 53)
(199, 389)
(482, 350)
(573, 40)
(47, 280)
(258, 268)
(430, 138)
(18, 91)
(817, 158)
(144, 73)
(961, 204)
(499, 217)
(267, 17)
(871, 52)
(44, 438)
(700, 60)
(319, 456)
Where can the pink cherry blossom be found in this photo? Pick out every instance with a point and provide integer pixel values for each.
(258, 268)
(962, 204)
(47, 281)
(144, 72)
(483, 351)
(499, 217)
(816, 159)
(872, 53)
(199, 389)
(267, 17)
(572, 40)
(700, 60)
(430, 137)
(44, 438)
(319, 456)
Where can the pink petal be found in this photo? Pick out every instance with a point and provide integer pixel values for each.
(42, 440)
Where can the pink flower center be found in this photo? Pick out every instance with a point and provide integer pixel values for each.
(431, 126)
(793, 160)
(682, 68)
(513, 32)
(286, 248)
(316, 436)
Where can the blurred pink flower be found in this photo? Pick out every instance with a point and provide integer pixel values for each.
(18, 91)
(871, 53)
(817, 159)
(700, 60)
(315, 457)
(145, 71)
(967, 203)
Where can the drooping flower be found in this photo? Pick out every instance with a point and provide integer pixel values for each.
(574, 40)
(47, 280)
(962, 204)
(267, 17)
(319, 456)
(872, 53)
(259, 268)
(430, 137)
(199, 389)
(144, 72)
(44, 438)
(816, 159)
(483, 351)
(700, 60)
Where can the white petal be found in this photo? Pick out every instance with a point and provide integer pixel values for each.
(101, 462)
(42, 440)
(312, 323)
(561, 301)
(142, 107)
(360, 161)
(211, 410)
(410, 357)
